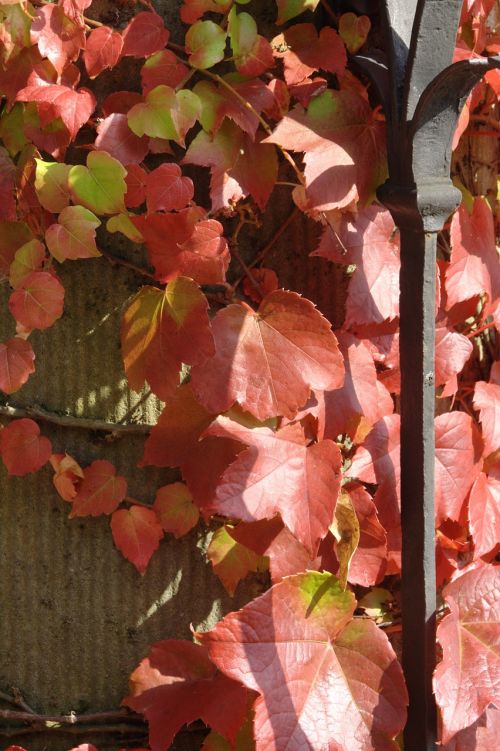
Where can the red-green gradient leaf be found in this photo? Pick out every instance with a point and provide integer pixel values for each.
(16, 364)
(12, 236)
(467, 679)
(115, 137)
(484, 513)
(280, 473)
(137, 534)
(205, 44)
(326, 680)
(287, 347)
(163, 68)
(175, 509)
(100, 492)
(232, 561)
(39, 301)
(344, 147)
(163, 329)
(28, 258)
(165, 113)
(73, 235)
(103, 50)
(167, 189)
(51, 185)
(165, 683)
(144, 35)
(22, 448)
(354, 30)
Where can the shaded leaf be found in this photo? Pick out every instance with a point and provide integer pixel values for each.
(163, 68)
(484, 512)
(144, 35)
(16, 364)
(28, 258)
(162, 689)
(306, 51)
(67, 475)
(487, 402)
(115, 137)
(288, 9)
(73, 106)
(345, 529)
(13, 235)
(354, 30)
(58, 37)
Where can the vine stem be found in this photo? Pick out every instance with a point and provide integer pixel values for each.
(71, 718)
(71, 421)
(116, 261)
(480, 330)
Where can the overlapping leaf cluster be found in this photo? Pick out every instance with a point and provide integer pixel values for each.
(283, 427)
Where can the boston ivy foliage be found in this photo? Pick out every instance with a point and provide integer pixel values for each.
(285, 432)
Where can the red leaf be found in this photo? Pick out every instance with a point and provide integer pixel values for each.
(370, 242)
(67, 475)
(344, 147)
(136, 180)
(167, 189)
(74, 107)
(474, 267)
(58, 37)
(175, 509)
(482, 735)
(181, 244)
(38, 301)
(137, 534)
(368, 564)
(487, 402)
(162, 688)
(144, 35)
(287, 345)
(120, 102)
(100, 492)
(467, 679)
(377, 461)
(307, 52)
(458, 455)
(280, 473)
(267, 282)
(16, 364)
(163, 69)
(115, 137)
(22, 447)
(73, 235)
(362, 400)
(319, 672)
(163, 329)
(484, 513)
(103, 50)
(452, 352)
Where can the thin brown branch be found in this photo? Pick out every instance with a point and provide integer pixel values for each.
(329, 12)
(72, 718)
(116, 261)
(71, 421)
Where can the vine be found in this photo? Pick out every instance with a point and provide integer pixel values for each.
(285, 432)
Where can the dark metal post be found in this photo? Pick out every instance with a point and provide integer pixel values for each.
(422, 94)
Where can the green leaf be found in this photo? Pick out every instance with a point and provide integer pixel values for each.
(231, 560)
(122, 223)
(100, 186)
(165, 114)
(242, 31)
(205, 43)
(288, 9)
